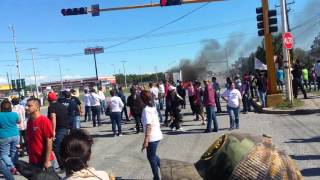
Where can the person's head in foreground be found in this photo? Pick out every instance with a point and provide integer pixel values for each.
(75, 153)
(235, 156)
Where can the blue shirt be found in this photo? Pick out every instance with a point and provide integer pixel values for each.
(8, 124)
(280, 74)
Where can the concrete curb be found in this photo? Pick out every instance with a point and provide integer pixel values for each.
(286, 111)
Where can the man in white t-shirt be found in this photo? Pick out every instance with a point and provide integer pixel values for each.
(155, 94)
(233, 98)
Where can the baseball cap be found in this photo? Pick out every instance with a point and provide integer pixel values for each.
(235, 156)
(52, 96)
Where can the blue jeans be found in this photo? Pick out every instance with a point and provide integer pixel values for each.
(234, 116)
(154, 160)
(60, 134)
(76, 123)
(5, 171)
(159, 112)
(211, 117)
(87, 113)
(103, 106)
(116, 121)
(262, 97)
(95, 115)
(8, 147)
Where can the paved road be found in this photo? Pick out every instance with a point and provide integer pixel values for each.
(298, 135)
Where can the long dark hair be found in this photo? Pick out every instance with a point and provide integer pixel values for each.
(75, 150)
(6, 106)
(147, 98)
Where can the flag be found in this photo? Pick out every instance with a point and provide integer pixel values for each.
(259, 65)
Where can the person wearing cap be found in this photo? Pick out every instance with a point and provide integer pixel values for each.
(153, 134)
(95, 107)
(136, 105)
(155, 95)
(58, 114)
(87, 105)
(176, 103)
(233, 98)
(235, 156)
(209, 103)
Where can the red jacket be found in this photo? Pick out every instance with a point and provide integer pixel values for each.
(208, 98)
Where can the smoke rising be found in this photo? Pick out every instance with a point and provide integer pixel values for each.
(211, 58)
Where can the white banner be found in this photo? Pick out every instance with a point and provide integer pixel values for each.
(259, 65)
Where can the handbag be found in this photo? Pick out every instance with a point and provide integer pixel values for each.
(36, 173)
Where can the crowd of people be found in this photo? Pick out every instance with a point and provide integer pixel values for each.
(56, 140)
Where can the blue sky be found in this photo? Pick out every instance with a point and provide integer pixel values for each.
(39, 24)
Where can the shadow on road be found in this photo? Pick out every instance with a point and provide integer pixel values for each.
(310, 140)
(305, 157)
(310, 172)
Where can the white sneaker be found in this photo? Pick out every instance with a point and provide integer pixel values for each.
(180, 129)
(120, 135)
(173, 129)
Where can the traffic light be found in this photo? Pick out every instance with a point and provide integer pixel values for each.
(74, 11)
(272, 21)
(170, 2)
(95, 10)
(260, 23)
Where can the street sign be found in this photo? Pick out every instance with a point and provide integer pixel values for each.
(287, 40)
(95, 50)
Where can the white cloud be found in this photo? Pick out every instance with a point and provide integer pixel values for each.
(3, 80)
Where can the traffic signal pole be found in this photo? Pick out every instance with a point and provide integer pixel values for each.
(269, 49)
(286, 54)
(151, 5)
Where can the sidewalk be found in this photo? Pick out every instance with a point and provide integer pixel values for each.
(311, 106)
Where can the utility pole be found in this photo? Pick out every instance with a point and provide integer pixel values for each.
(125, 75)
(17, 54)
(61, 80)
(286, 54)
(34, 71)
(95, 65)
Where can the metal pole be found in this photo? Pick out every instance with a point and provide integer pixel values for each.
(34, 71)
(95, 64)
(61, 80)
(17, 54)
(9, 81)
(286, 55)
(125, 74)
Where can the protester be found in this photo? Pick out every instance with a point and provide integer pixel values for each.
(305, 76)
(136, 105)
(161, 94)
(116, 105)
(9, 137)
(182, 93)
(176, 103)
(20, 110)
(190, 91)
(78, 109)
(198, 105)
(39, 136)
(58, 114)
(76, 149)
(103, 104)
(262, 89)
(228, 83)
(237, 82)
(153, 134)
(209, 103)
(155, 96)
(312, 79)
(233, 98)
(297, 81)
(245, 92)
(216, 87)
(87, 106)
(280, 75)
(95, 107)
(72, 109)
(123, 98)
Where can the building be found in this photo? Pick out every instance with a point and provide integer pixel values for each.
(78, 83)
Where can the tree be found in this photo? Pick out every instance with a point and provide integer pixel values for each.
(315, 48)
